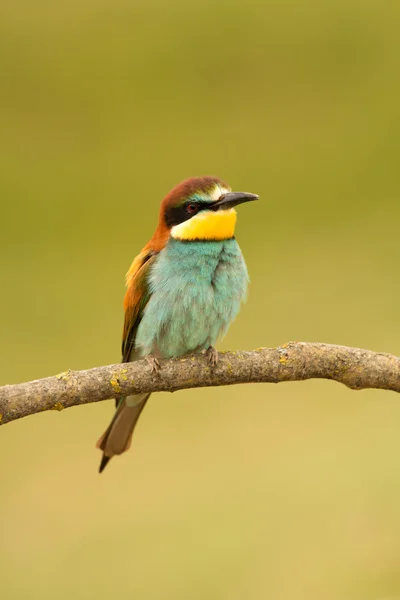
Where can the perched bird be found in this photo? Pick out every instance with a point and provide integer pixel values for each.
(183, 290)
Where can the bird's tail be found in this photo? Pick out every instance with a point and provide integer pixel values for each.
(117, 437)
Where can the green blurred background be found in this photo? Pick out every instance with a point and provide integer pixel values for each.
(284, 492)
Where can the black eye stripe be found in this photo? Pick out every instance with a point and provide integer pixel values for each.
(178, 214)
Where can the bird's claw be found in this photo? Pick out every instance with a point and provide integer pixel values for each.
(212, 355)
(153, 363)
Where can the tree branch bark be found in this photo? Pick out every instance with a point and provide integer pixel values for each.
(295, 361)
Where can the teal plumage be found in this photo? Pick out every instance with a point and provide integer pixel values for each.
(195, 293)
(184, 289)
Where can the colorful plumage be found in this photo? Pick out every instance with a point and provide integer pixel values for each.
(183, 290)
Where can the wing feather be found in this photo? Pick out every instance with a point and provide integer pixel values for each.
(136, 297)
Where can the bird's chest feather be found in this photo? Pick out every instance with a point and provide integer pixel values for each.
(196, 291)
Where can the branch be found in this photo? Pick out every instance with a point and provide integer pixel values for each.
(296, 361)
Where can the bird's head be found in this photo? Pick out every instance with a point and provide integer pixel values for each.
(202, 208)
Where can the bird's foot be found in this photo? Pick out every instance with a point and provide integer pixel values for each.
(212, 355)
(153, 363)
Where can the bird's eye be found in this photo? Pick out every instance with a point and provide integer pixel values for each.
(192, 208)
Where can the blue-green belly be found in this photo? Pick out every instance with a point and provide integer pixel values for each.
(196, 290)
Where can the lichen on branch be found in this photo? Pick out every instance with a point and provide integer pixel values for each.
(295, 361)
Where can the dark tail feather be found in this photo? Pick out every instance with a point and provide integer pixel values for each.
(104, 462)
(118, 436)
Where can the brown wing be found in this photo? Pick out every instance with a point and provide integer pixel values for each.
(136, 297)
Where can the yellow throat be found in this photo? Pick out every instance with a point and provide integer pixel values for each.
(207, 225)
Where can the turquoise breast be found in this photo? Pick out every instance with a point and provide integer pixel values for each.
(196, 290)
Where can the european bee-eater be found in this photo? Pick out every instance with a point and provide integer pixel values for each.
(183, 290)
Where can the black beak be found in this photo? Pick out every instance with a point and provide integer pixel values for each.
(232, 199)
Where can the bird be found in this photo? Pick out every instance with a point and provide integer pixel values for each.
(183, 290)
